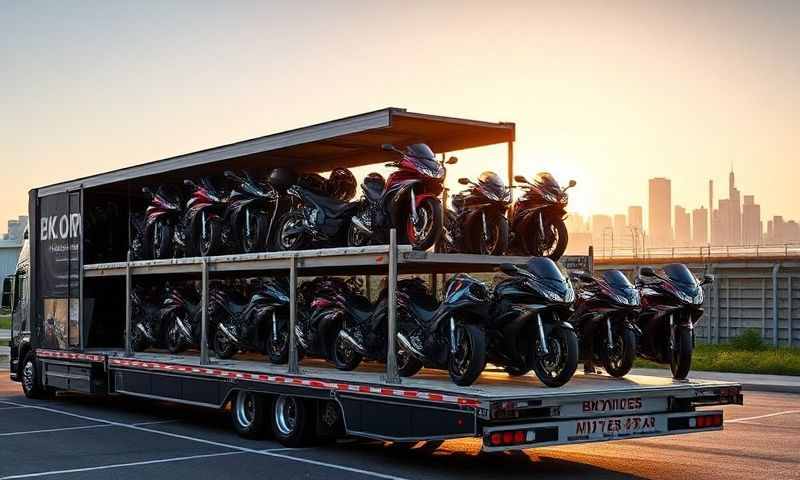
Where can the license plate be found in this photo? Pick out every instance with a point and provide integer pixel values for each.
(615, 427)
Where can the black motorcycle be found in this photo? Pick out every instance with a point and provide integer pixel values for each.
(447, 335)
(181, 318)
(255, 324)
(478, 223)
(315, 218)
(528, 327)
(251, 212)
(537, 219)
(145, 319)
(672, 304)
(605, 318)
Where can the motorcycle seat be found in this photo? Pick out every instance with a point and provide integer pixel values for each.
(332, 207)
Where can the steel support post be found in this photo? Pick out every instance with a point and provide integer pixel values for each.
(128, 349)
(294, 368)
(391, 352)
(80, 276)
(775, 302)
(204, 360)
(510, 161)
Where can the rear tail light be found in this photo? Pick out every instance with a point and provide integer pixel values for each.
(508, 438)
(712, 420)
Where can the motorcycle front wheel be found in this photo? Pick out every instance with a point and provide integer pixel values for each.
(356, 237)
(224, 347)
(291, 233)
(278, 342)
(139, 342)
(469, 359)
(681, 361)
(557, 366)
(175, 342)
(494, 241)
(253, 233)
(427, 230)
(553, 247)
(344, 355)
(158, 241)
(618, 358)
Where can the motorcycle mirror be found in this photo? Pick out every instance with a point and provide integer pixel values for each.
(463, 181)
(707, 279)
(189, 183)
(507, 268)
(146, 190)
(520, 179)
(583, 277)
(387, 147)
(230, 174)
(647, 272)
(452, 161)
(572, 183)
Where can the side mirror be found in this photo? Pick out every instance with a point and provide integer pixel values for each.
(583, 277)
(520, 179)
(452, 161)
(647, 272)
(572, 183)
(463, 181)
(146, 190)
(229, 174)
(189, 183)
(387, 147)
(507, 268)
(707, 279)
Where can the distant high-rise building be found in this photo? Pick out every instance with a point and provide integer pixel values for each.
(620, 223)
(683, 230)
(752, 229)
(700, 226)
(734, 219)
(16, 228)
(660, 212)
(778, 229)
(635, 217)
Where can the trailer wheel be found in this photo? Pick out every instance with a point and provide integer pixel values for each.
(31, 378)
(293, 421)
(250, 414)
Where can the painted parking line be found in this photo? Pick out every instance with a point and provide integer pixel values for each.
(12, 408)
(785, 412)
(269, 452)
(84, 427)
(120, 465)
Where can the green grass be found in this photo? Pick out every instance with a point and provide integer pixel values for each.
(727, 358)
(5, 322)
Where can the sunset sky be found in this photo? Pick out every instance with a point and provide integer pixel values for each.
(607, 93)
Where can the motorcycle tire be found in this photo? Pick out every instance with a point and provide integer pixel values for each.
(620, 365)
(496, 223)
(223, 346)
(278, 350)
(174, 341)
(139, 342)
(434, 215)
(213, 244)
(298, 242)
(447, 241)
(407, 364)
(161, 247)
(257, 241)
(566, 343)
(465, 371)
(681, 361)
(343, 355)
(531, 244)
(356, 237)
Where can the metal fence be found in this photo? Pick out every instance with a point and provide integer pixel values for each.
(702, 252)
(746, 294)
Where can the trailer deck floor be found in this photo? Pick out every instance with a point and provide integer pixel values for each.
(493, 384)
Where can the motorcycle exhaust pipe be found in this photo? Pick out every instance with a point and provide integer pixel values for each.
(406, 345)
(352, 341)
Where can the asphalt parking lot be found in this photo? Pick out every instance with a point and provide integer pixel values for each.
(81, 437)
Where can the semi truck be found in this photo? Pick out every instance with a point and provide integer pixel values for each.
(70, 299)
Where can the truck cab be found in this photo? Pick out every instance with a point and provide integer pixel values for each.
(16, 300)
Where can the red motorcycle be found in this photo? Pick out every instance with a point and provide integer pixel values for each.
(203, 226)
(537, 219)
(156, 233)
(408, 201)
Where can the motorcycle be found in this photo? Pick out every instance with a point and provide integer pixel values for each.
(478, 223)
(145, 319)
(181, 319)
(447, 335)
(528, 327)
(204, 232)
(156, 235)
(314, 218)
(537, 219)
(408, 201)
(672, 304)
(251, 211)
(250, 324)
(605, 318)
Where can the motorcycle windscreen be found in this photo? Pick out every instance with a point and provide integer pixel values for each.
(679, 273)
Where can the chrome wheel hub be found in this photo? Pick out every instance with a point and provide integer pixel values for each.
(245, 409)
(286, 415)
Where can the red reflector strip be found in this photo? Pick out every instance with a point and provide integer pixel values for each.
(70, 355)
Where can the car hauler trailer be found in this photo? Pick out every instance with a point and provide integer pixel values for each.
(72, 315)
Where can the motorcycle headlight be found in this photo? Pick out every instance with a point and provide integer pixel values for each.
(550, 197)
(685, 297)
(620, 299)
(432, 170)
(698, 299)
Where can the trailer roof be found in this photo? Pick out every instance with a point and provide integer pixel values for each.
(346, 142)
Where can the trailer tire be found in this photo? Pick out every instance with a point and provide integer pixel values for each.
(293, 421)
(31, 377)
(250, 414)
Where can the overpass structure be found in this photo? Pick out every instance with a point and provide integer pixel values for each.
(761, 293)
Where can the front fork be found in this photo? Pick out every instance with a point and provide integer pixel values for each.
(542, 338)
(274, 327)
(413, 198)
(453, 343)
(485, 229)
